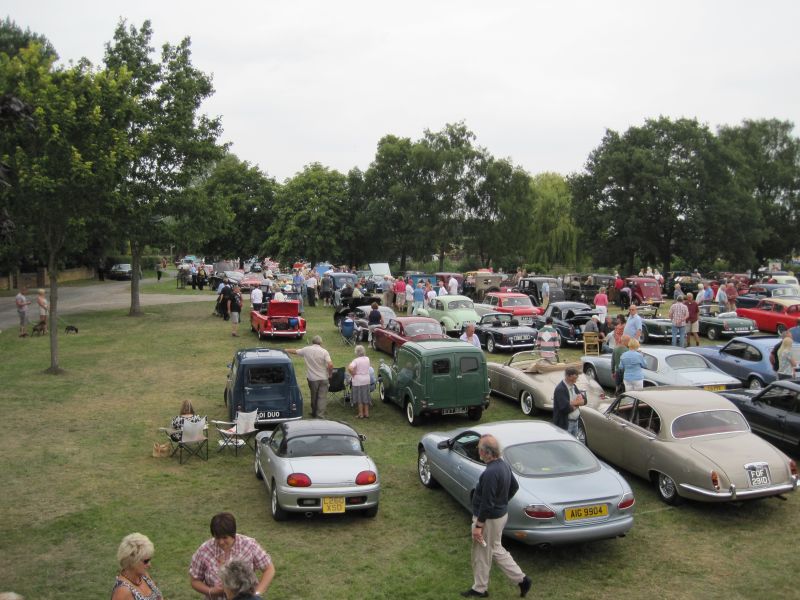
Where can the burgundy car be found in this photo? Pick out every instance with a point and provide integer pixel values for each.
(398, 331)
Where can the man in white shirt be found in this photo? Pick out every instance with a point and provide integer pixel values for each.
(452, 286)
(409, 297)
(311, 289)
(319, 368)
(470, 337)
(256, 298)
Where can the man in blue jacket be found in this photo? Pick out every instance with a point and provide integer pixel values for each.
(567, 400)
(496, 486)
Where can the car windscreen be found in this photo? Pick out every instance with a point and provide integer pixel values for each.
(423, 329)
(708, 422)
(514, 301)
(456, 304)
(503, 319)
(686, 361)
(324, 445)
(550, 458)
(787, 291)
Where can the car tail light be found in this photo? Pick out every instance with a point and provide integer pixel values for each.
(715, 480)
(366, 478)
(792, 467)
(627, 501)
(298, 480)
(539, 511)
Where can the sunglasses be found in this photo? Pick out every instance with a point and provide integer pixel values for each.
(146, 561)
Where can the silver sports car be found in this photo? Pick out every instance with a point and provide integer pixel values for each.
(665, 366)
(316, 466)
(565, 494)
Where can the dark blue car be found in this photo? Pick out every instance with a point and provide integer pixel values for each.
(747, 358)
(773, 412)
(263, 379)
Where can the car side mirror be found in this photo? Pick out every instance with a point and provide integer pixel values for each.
(362, 437)
(443, 445)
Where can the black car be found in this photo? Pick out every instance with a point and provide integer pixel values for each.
(568, 319)
(532, 286)
(758, 292)
(773, 412)
(583, 287)
(501, 331)
(349, 305)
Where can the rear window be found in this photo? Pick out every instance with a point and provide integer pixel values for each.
(708, 422)
(266, 375)
(543, 459)
(686, 361)
(324, 445)
(456, 304)
(526, 301)
(468, 364)
(440, 366)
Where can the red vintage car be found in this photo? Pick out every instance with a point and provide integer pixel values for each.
(773, 314)
(513, 303)
(400, 330)
(278, 319)
(645, 290)
(250, 281)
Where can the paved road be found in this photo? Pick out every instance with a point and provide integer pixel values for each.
(101, 296)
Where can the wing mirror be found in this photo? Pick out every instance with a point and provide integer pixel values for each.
(362, 437)
(443, 445)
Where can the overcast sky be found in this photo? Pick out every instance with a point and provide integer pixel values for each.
(538, 82)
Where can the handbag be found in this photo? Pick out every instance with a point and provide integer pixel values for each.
(160, 450)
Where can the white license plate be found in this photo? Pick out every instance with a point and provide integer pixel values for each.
(454, 411)
(526, 320)
(269, 414)
(521, 338)
(759, 476)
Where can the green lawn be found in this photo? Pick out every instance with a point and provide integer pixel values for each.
(78, 475)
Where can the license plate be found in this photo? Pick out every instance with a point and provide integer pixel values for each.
(454, 411)
(333, 505)
(269, 414)
(526, 320)
(586, 512)
(521, 338)
(714, 388)
(742, 329)
(759, 476)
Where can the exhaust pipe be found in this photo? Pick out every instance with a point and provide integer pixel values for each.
(309, 514)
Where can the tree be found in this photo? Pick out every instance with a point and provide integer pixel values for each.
(13, 39)
(65, 162)
(765, 159)
(553, 233)
(653, 192)
(309, 215)
(171, 144)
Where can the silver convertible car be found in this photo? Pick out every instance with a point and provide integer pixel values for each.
(316, 466)
(665, 366)
(690, 443)
(565, 494)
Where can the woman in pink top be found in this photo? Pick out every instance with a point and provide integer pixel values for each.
(359, 371)
(601, 303)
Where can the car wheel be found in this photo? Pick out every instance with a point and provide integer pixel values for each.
(581, 435)
(526, 403)
(490, 345)
(370, 512)
(412, 419)
(475, 413)
(590, 372)
(277, 512)
(667, 489)
(645, 335)
(257, 468)
(384, 396)
(713, 333)
(781, 329)
(424, 471)
(754, 383)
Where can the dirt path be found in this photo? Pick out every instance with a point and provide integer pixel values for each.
(96, 297)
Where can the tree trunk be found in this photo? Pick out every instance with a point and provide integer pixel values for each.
(52, 268)
(403, 261)
(136, 260)
(441, 258)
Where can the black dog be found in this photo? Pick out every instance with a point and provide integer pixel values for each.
(71, 329)
(38, 329)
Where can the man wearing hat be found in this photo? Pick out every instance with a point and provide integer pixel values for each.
(592, 325)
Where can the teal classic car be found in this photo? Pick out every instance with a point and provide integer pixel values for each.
(715, 325)
(454, 313)
(441, 377)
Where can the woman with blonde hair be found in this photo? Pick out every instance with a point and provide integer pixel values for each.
(133, 583)
(786, 362)
(44, 309)
(632, 363)
(187, 414)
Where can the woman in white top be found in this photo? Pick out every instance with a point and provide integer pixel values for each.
(359, 371)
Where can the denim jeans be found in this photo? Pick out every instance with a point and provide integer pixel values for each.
(679, 332)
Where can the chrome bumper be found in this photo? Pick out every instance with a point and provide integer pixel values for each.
(734, 494)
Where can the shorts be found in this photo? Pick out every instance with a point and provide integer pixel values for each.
(401, 300)
(23, 317)
(634, 385)
(235, 318)
(694, 327)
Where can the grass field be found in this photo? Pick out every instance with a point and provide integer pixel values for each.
(78, 475)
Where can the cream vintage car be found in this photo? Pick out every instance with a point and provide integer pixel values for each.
(690, 443)
(530, 380)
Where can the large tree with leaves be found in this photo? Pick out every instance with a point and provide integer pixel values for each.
(65, 159)
(553, 233)
(172, 143)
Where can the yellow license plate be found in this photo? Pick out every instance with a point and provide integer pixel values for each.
(333, 505)
(714, 388)
(586, 512)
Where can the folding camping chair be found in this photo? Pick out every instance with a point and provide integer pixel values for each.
(591, 343)
(338, 387)
(191, 438)
(241, 432)
(347, 330)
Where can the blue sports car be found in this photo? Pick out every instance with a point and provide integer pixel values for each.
(747, 358)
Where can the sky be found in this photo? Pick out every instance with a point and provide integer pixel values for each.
(536, 82)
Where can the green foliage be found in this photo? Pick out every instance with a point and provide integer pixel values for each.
(13, 39)
(554, 236)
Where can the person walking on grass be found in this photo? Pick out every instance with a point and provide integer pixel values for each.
(319, 368)
(496, 486)
(235, 309)
(679, 315)
(359, 371)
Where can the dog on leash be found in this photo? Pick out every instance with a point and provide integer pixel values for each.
(39, 328)
(71, 329)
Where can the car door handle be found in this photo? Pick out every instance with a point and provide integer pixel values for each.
(459, 377)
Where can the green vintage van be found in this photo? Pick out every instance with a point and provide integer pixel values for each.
(444, 377)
